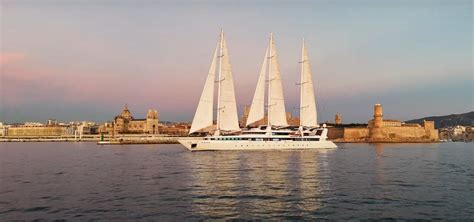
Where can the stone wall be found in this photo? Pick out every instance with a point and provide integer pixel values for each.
(430, 130)
(355, 133)
(37, 131)
(387, 134)
(403, 132)
(335, 132)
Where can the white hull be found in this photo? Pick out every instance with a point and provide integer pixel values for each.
(215, 145)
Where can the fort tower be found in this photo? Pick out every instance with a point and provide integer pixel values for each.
(338, 119)
(378, 116)
(375, 131)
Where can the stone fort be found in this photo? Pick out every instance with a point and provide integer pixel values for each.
(385, 130)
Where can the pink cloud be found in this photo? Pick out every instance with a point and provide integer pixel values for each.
(10, 57)
(34, 84)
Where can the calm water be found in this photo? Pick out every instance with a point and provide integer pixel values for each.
(82, 181)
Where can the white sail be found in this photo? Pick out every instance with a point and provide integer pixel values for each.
(308, 113)
(204, 112)
(257, 109)
(276, 106)
(227, 117)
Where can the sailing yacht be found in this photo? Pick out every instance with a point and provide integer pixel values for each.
(276, 134)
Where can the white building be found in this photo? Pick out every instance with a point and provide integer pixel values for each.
(3, 129)
(458, 130)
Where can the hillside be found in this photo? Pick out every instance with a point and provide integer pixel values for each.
(464, 119)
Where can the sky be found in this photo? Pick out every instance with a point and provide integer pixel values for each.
(78, 60)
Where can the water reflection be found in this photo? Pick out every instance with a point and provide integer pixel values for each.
(48, 181)
(309, 187)
(379, 149)
(213, 184)
(231, 184)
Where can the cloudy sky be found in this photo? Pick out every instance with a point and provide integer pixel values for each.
(83, 60)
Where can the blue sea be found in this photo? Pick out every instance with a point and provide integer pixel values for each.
(84, 181)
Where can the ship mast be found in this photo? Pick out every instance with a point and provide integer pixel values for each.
(219, 80)
(227, 119)
(308, 112)
(302, 81)
(270, 55)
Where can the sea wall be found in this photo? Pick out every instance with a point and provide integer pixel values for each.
(412, 133)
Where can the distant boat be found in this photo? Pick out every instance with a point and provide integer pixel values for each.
(276, 135)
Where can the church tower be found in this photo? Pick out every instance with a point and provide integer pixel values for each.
(152, 122)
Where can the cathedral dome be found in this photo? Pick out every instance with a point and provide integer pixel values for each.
(126, 113)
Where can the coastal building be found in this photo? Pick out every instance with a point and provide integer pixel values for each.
(31, 124)
(34, 129)
(457, 133)
(174, 129)
(468, 135)
(83, 128)
(3, 129)
(52, 122)
(125, 123)
(379, 129)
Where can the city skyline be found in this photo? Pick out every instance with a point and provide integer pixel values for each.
(84, 60)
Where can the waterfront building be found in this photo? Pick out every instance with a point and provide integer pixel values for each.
(457, 133)
(174, 129)
(31, 124)
(36, 130)
(125, 123)
(83, 128)
(3, 129)
(52, 128)
(379, 129)
(468, 135)
(52, 122)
